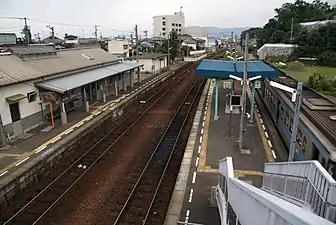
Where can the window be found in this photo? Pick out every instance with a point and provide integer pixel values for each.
(281, 113)
(163, 23)
(286, 121)
(179, 25)
(163, 28)
(163, 18)
(290, 124)
(179, 30)
(173, 24)
(163, 34)
(304, 144)
(31, 96)
(299, 139)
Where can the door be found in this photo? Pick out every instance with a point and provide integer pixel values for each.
(16, 118)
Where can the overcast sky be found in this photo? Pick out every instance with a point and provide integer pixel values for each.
(123, 15)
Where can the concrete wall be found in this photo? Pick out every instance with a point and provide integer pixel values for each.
(149, 62)
(30, 111)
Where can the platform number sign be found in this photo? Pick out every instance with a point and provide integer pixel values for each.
(227, 85)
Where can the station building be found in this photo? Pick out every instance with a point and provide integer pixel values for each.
(38, 81)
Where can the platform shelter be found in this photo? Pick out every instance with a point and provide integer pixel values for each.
(221, 70)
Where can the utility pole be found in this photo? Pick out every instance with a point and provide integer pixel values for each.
(52, 31)
(3, 140)
(136, 43)
(298, 101)
(241, 130)
(168, 61)
(132, 47)
(26, 31)
(292, 26)
(231, 44)
(96, 32)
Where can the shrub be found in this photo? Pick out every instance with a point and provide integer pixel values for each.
(296, 66)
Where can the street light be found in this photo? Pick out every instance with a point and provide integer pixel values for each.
(297, 99)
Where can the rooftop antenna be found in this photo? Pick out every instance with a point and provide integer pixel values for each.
(181, 10)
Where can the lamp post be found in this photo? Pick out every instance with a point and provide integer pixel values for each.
(241, 128)
(297, 99)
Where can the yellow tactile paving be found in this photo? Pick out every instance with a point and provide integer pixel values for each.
(241, 173)
(264, 139)
(203, 153)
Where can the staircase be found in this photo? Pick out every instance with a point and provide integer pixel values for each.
(298, 193)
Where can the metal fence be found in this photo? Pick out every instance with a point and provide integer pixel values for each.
(305, 183)
(255, 206)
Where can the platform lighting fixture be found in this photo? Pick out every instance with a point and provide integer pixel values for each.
(239, 58)
(235, 77)
(297, 99)
(230, 57)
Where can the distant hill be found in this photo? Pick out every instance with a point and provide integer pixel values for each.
(217, 31)
(213, 31)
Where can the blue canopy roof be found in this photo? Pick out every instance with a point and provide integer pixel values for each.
(223, 69)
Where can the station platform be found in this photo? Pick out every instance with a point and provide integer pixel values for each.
(39, 142)
(211, 140)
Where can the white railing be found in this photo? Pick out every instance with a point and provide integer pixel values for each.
(254, 206)
(305, 183)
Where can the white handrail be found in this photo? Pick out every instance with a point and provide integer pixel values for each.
(255, 206)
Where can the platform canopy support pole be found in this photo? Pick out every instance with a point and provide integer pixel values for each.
(252, 101)
(216, 101)
(242, 114)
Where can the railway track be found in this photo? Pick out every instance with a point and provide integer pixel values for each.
(138, 206)
(39, 206)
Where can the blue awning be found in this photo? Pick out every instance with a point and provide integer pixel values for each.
(223, 69)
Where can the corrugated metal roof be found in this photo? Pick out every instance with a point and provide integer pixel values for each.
(255, 68)
(278, 45)
(66, 83)
(223, 69)
(14, 70)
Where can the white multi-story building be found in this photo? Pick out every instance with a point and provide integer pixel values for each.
(165, 24)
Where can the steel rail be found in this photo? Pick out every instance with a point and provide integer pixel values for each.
(154, 152)
(19, 212)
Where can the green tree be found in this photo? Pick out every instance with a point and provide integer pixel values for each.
(174, 46)
(319, 43)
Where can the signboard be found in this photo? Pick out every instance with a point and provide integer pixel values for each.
(257, 84)
(235, 100)
(227, 84)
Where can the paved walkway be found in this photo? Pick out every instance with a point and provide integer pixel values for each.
(215, 141)
(38, 142)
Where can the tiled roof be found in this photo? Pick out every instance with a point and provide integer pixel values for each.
(14, 70)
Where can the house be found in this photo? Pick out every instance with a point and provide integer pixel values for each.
(316, 24)
(35, 78)
(71, 39)
(7, 39)
(276, 50)
(152, 63)
(52, 39)
(119, 48)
